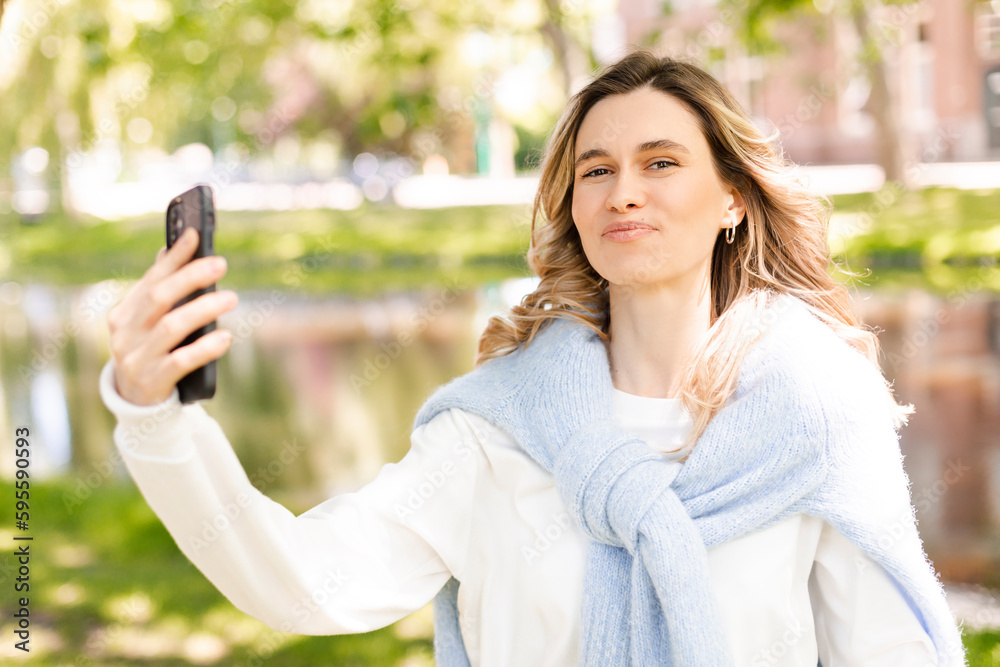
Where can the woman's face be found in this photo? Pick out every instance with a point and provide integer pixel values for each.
(647, 202)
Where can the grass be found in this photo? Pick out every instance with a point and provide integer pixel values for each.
(368, 251)
(983, 649)
(937, 239)
(110, 587)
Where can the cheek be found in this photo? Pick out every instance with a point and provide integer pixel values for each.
(579, 207)
(586, 211)
(587, 205)
(583, 219)
(701, 200)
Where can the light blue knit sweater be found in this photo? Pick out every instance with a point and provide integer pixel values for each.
(808, 429)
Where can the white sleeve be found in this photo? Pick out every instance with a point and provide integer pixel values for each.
(862, 619)
(354, 563)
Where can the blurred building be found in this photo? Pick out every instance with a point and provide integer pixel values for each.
(942, 65)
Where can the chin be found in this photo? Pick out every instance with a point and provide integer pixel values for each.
(632, 277)
(636, 269)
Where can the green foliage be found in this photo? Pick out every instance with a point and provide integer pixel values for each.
(939, 239)
(367, 75)
(530, 147)
(367, 251)
(983, 649)
(757, 20)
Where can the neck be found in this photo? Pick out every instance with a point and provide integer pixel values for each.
(654, 330)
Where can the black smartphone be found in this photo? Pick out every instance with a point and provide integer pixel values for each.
(195, 208)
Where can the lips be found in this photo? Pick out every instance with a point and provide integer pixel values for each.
(626, 231)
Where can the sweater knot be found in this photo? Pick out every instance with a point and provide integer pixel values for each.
(611, 493)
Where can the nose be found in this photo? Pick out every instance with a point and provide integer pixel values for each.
(626, 193)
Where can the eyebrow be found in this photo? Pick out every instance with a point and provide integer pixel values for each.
(656, 144)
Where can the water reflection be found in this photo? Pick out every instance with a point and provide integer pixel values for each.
(323, 393)
(51, 414)
(317, 394)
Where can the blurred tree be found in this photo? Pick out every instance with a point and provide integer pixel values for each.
(395, 76)
(54, 55)
(145, 73)
(574, 58)
(878, 29)
(379, 66)
(421, 70)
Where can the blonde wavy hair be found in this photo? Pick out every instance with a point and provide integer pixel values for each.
(780, 247)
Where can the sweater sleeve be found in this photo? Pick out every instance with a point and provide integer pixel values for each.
(354, 563)
(861, 618)
(865, 491)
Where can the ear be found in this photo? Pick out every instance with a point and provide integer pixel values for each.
(736, 208)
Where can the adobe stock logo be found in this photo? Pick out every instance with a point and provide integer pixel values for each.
(433, 481)
(546, 537)
(390, 351)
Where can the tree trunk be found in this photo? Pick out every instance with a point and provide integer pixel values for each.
(882, 103)
(570, 58)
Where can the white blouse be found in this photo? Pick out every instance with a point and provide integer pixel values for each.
(467, 501)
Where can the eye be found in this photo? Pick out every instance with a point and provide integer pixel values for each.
(599, 171)
(662, 164)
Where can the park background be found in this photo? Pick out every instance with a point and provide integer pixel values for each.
(374, 162)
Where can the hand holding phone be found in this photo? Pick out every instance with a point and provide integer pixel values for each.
(195, 208)
(146, 329)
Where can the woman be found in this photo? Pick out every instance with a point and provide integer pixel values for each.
(677, 450)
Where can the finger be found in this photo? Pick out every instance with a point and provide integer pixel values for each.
(185, 359)
(175, 257)
(138, 295)
(178, 324)
(147, 301)
(164, 294)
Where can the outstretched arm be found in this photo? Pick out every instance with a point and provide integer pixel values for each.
(354, 563)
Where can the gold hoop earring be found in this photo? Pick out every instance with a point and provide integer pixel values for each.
(730, 233)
